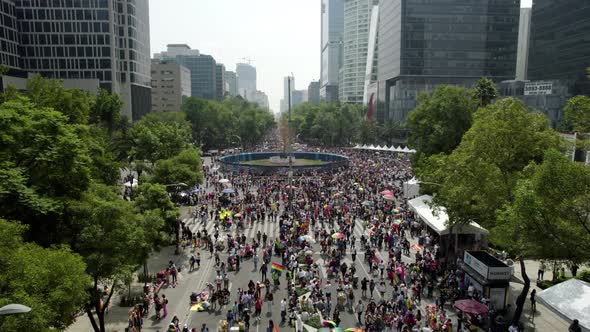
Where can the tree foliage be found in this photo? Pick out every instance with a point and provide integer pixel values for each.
(51, 281)
(485, 91)
(477, 178)
(184, 167)
(439, 121)
(214, 124)
(550, 214)
(577, 114)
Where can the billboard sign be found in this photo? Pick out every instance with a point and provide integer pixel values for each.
(538, 88)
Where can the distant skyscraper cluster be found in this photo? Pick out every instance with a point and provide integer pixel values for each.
(388, 51)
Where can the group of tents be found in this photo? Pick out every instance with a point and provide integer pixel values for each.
(385, 148)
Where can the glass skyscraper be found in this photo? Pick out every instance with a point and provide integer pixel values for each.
(106, 40)
(559, 45)
(331, 48)
(423, 44)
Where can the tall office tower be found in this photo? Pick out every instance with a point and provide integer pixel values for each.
(288, 88)
(202, 67)
(298, 97)
(104, 40)
(246, 79)
(171, 85)
(231, 82)
(331, 48)
(522, 55)
(313, 92)
(425, 44)
(9, 55)
(559, 48)
(357, 17)
(220, 81)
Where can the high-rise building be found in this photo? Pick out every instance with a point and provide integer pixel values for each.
(104, 40)
(231, 82)
(220, 81)
(260, 98)
(246, 79)
(357, 16)
(331, 48)
(313, 92)
(9, 55)
(522, 55)
(171, 85)
(203, 69)
(424, 44)
(288, 88)
(298, 97)
(559, 47)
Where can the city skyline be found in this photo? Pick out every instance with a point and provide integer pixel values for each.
(236, 37)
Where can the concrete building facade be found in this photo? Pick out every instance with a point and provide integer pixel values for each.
(171, 85)
(97, 39)
(522, 55)
(424, 44)
(220, 81)
(246, 79)
(259, 98)
(231, 83)
(331, 48)
(313, 92)
(203, 69)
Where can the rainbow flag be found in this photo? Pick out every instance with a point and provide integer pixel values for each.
(274, 327)
(375, 259)
(395, 278)
(408, 303)
(278, 267)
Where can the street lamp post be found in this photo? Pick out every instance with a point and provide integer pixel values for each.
(290, 175)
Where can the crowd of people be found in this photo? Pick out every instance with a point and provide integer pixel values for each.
(407, 284)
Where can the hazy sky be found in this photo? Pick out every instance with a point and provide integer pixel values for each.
(280, 36)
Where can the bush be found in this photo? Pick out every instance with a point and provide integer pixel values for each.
(300, 291)
(584, 276)
(149, 278)
(130, 301)
(543, 284)
(314, 322)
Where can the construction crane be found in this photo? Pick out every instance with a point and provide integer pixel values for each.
(247, 60)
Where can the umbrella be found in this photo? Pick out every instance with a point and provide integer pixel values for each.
(223, 181)
(329, 323)
(389, 197)
(387, 192)
(195, 190)
(290, 187)
(228, 191)
(301, 239)
(368, 203)
(397, 221)
(471, 307)
(309, 252)
(353, 329)
(417, 247)
(396, 210)
(238, 215)
(337, 236)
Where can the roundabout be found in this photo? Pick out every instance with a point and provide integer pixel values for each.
(265, 162)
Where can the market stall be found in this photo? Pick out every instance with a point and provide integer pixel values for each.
(489, 276)
(463, 237)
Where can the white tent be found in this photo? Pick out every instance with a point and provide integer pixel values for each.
(372, 147)
(437, 218)
(405, 149)
(570, 300)
(131, 185)
(411, 188)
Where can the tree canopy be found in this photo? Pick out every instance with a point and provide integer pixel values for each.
(439, 121)
(577, 114)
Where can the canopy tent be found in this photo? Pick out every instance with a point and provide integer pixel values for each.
(411, 188)
(570, 300)
(385, 148)
(437, 218)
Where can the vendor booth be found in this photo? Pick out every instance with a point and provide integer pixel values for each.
(466, 237)
(489, 276)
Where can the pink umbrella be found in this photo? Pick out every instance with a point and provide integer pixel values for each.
(471, 307)
(387, 192)
(389, 197)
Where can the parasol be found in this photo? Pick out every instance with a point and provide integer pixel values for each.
(228, 191)
(223, 181)
(337, 236)
(471, 307)
(387, 192)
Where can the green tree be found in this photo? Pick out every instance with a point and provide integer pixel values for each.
(577, 114)
(548, 217)
(478, 177)
(110, 236)
(106, 110)
(44, 162)
(183, 168)
(51, 281)
(439, 121)
(485, 91)
(156, 137)
(75, 104)
(104, 167)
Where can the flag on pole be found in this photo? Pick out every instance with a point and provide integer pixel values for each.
(395, 278)
(375, 259)
(278, 267)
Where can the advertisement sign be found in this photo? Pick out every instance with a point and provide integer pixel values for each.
(499, 273)
(475, 264)
(538, 88)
